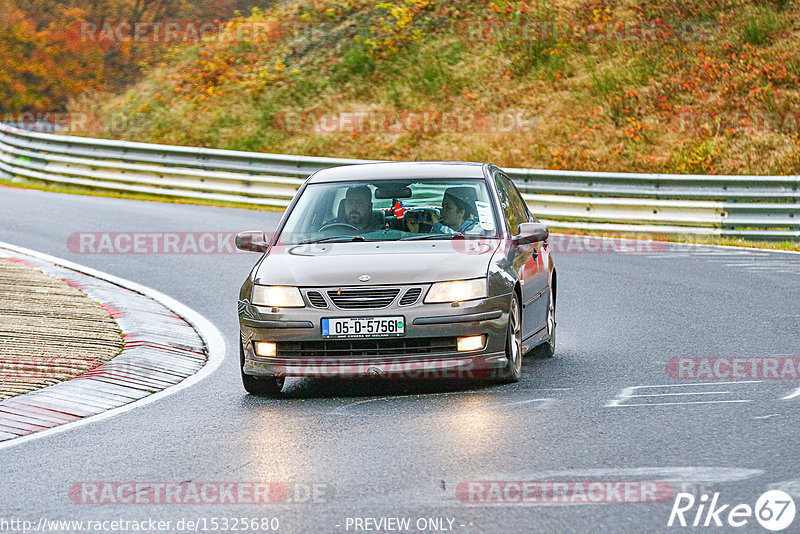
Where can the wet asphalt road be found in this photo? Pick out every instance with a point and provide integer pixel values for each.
(380, 450)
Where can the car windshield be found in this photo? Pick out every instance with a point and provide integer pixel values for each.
(391, 210)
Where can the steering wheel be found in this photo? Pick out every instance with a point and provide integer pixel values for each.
(339, 225)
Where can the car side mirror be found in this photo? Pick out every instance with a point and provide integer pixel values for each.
(253, 241)
(531, 233)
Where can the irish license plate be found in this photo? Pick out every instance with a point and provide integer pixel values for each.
(363, 327)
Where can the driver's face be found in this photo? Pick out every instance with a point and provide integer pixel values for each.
(357, 209)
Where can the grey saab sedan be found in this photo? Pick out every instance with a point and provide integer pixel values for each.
(405, 270)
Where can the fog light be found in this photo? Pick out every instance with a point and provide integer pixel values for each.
(466, 344)
(266, 349)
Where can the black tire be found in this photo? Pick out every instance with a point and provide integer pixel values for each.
(513, 371)
(267, 385)
(548, 348)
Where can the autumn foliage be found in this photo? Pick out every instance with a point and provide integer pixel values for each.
(40, 67)
(46, 58)
(686, 86)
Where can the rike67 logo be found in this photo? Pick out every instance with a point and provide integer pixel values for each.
(774, 510)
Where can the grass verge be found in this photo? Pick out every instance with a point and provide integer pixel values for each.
(726, 241)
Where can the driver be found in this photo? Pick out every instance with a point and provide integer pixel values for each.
(458, 211)
(357, 209)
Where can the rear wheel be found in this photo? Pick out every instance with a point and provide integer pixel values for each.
(513, 369)
(548, 348)
(267, 385)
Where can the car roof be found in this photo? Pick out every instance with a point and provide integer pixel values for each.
(396, 170)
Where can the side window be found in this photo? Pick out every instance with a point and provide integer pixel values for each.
(520, 207)
(514, 208)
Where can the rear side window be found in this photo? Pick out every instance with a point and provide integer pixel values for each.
(514, 209)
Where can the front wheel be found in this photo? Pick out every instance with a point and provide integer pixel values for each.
(267, 385)
(513, 370)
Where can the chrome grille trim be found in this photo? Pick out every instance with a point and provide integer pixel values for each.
(363, 298)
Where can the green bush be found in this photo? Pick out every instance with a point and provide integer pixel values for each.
(759, 27)
(356, 61)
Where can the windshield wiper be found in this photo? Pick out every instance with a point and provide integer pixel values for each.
(457, 235)
(341, 238)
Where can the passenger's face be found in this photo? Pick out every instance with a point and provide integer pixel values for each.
(357, 209)
(451, 215)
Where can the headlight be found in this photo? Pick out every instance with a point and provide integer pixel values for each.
(277, 297)
(458, 290)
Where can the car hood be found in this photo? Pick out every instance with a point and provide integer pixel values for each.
(410, 262)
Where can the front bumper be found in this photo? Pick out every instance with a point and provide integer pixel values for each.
(488, 317)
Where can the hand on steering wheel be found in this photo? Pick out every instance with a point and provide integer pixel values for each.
(339, 225)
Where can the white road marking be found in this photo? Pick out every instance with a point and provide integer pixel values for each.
(763, 267)
(340, 410)
(689, 473)
(628, 393)
(695, 393)
(683, 402)
(792, 487)
(546, 403)
(793, 394)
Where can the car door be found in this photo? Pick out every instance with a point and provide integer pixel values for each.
(528, 260)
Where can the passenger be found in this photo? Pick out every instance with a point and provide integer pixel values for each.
(458, 211)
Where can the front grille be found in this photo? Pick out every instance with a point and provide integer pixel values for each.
(368, 298)
(411, 296)
(316, 299)
(333, 348)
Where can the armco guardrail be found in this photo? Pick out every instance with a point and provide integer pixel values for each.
(758, 207)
